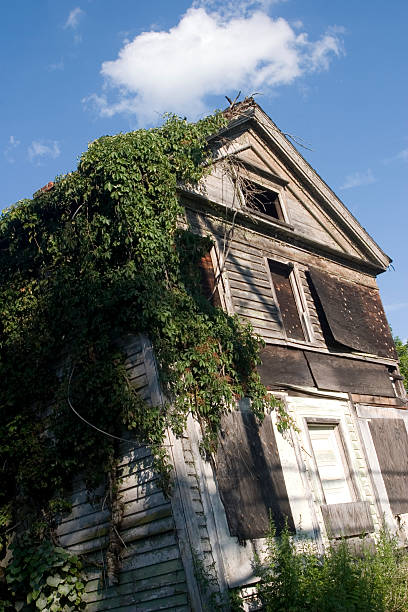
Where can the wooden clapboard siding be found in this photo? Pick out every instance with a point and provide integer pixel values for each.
(203, 544)
(251, 291)
(152, 575)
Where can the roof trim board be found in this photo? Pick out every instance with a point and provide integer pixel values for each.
(269, 131)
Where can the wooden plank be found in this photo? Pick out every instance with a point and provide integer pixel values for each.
(83, 522)
(250, 280)
(133, 561)
(349, 519)
(349, 375)
(142, 573)
(267, 333)
(250, 477)
(391, 445)
(378, 401)
(271, 315)
(355, 315)
(284, 365)
(268, 326)
(247, 272)
(238, 264)
(137, 586)
(245, 297)
(83, 535)
(140, 504)
(243, 255)
(147, 600)
(237, 286)
(132, 522)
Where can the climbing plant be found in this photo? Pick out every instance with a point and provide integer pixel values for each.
(98, 256)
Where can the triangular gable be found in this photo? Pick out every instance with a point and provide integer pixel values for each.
(313, 209)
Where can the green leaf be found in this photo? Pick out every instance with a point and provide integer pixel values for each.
(41, 602)
(54, 581)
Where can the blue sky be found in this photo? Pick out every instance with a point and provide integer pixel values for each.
(333, 74)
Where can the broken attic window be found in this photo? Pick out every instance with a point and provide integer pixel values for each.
(262, 200)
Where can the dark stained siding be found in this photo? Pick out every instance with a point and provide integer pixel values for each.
(349, 375)
(345, 520)
(355, 315)
(391, 444)
(284, 365)
(250, 478)
(287, 304)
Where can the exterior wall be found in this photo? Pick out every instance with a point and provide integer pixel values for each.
(178, 553)
(152, 574)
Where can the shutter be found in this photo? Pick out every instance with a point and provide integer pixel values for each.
(391, 445)
(250, 477)
(354, 314)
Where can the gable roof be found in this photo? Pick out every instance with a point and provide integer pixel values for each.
(249, 115)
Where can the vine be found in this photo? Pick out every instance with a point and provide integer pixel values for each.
(84, 263)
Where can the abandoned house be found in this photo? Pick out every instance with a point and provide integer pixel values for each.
(292, 260)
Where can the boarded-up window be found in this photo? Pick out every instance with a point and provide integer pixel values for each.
(349, 375)
(280, 365)
(287, 303)
(391, 445)
(354, 314)
(249, 476)
(208, 280)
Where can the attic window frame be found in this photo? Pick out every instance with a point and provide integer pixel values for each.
(262, 185)
(299, 299)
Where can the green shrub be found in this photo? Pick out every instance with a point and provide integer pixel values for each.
(294, 577)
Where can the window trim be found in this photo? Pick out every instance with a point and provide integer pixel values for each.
(351, 479)
(264, 184)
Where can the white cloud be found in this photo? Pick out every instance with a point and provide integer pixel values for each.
(403, 155)
(74, 18)
(56, 66)
(209, 53)
(358, 179)
(39, 149)
(12, 144)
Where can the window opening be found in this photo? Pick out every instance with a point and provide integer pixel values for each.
(263, 200)
(280, 274)
(208, 280)
(325, 441)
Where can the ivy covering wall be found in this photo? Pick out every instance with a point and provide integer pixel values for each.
(99, 256)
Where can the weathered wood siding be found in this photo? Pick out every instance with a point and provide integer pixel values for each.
(152, 576)
(391, 444)
(251, 290)
(345, 520)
